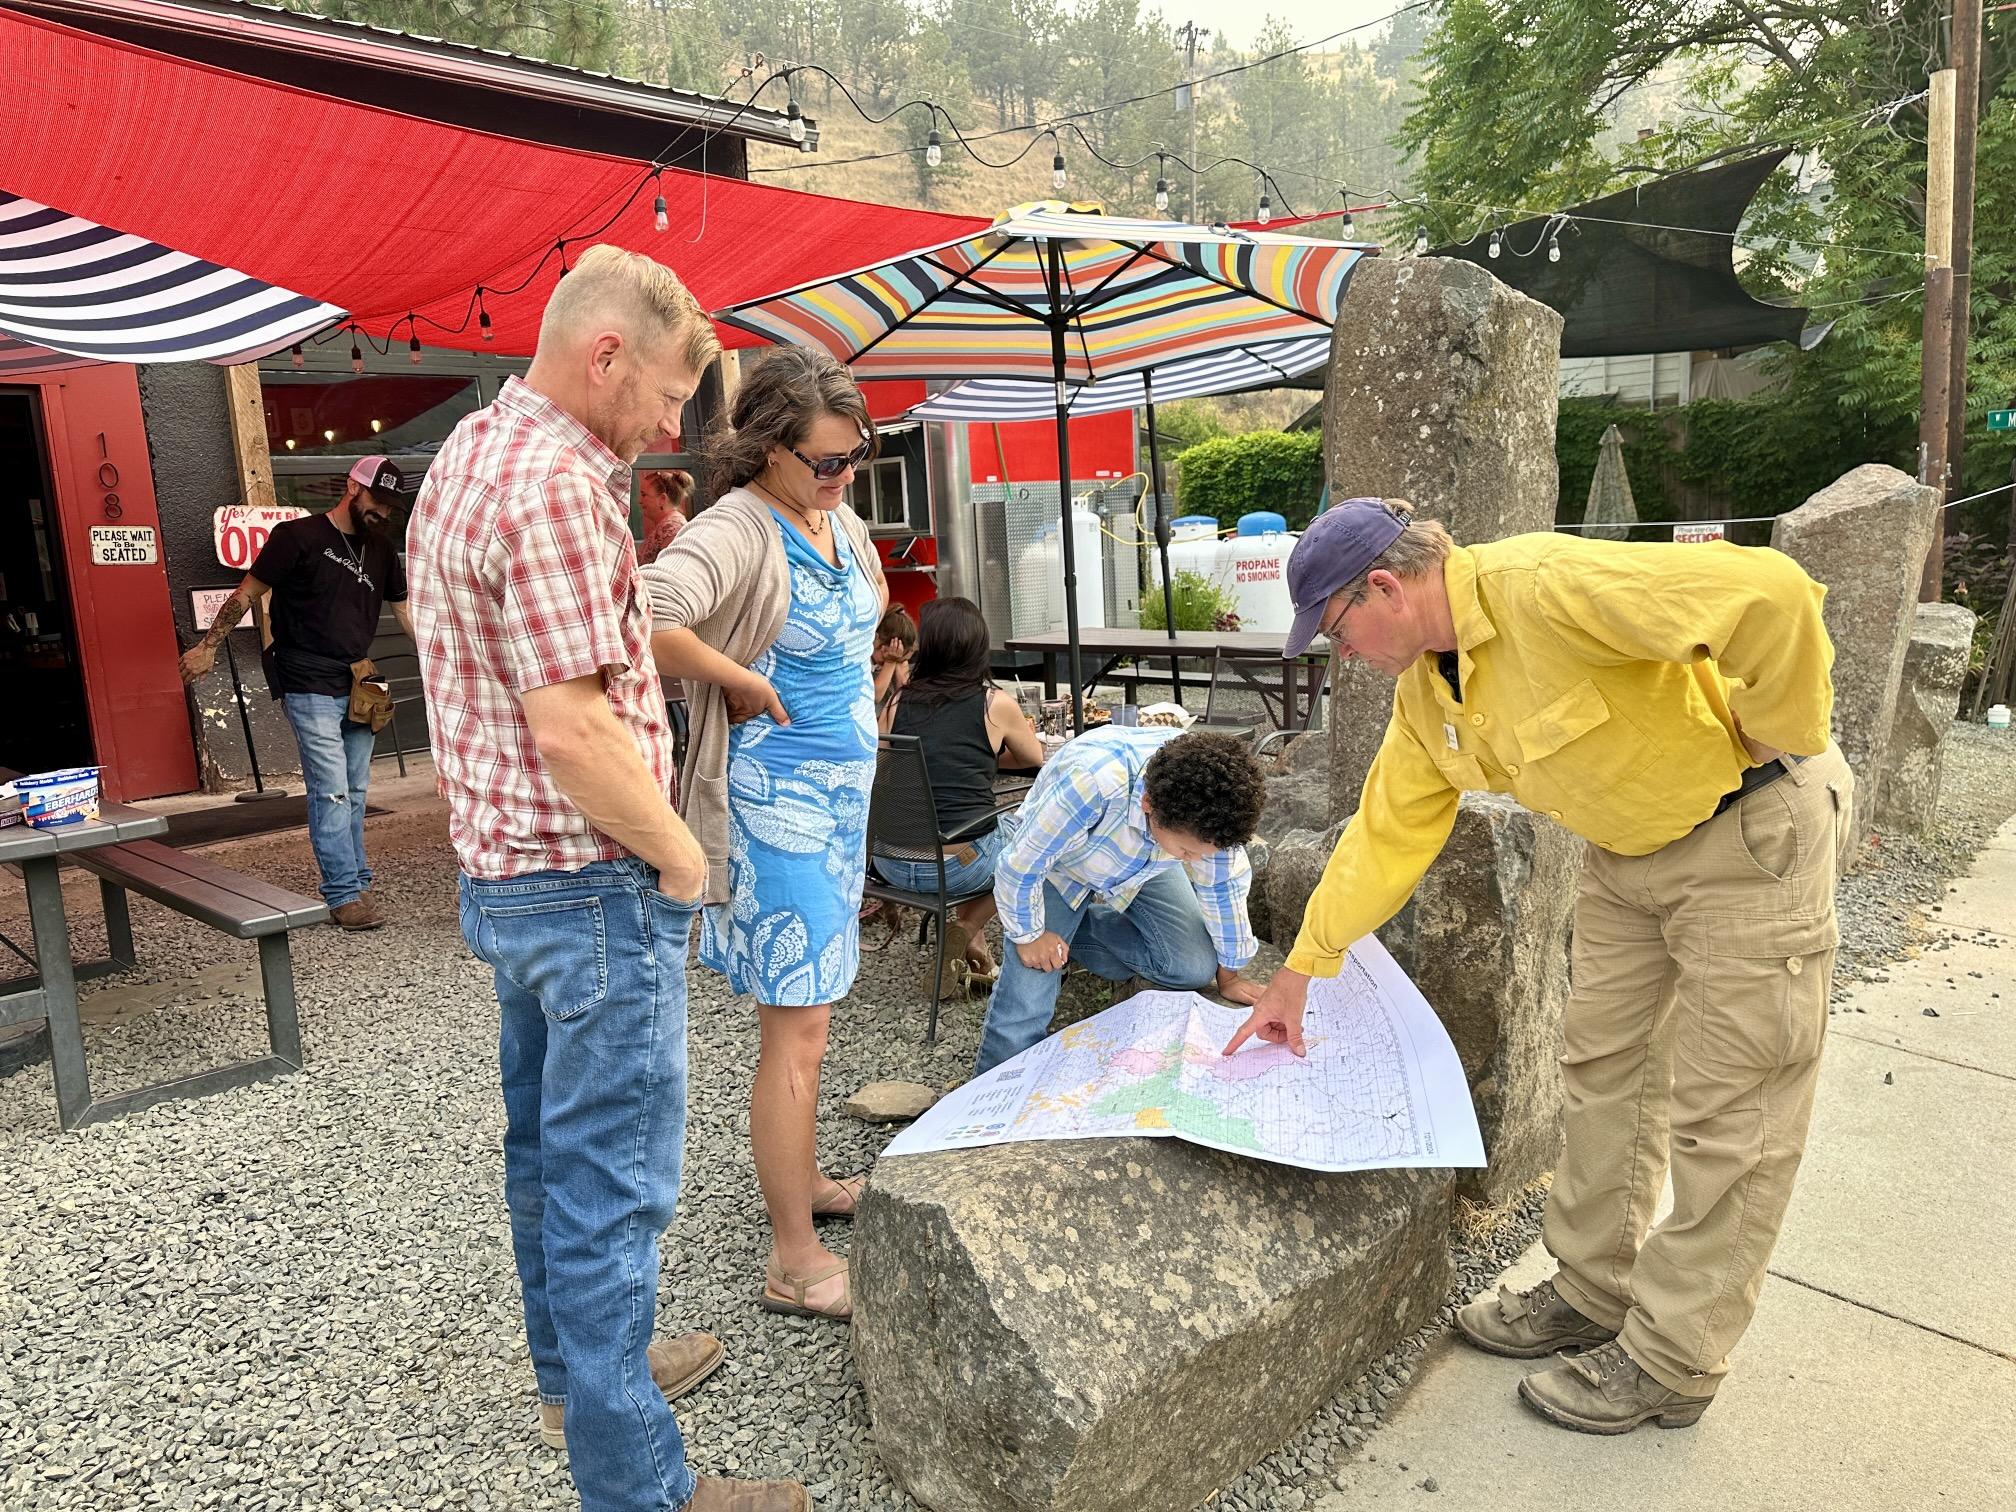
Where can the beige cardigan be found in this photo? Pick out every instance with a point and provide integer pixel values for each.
(725, 578)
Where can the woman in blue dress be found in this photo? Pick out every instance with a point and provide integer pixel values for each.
(766, 605)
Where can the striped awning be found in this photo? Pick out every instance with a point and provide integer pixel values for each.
(1229, 372)
(1128, 295)
(73, 291)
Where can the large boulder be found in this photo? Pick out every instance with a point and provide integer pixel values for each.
(1099, 1325)
(1485, 938)
(1442, 391)
(1298, 790)
(1928, 698)
(1294, 867)
(1865, 536)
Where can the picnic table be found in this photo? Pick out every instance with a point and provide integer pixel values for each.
(118, 849)
(1289, 695)
(51, 992)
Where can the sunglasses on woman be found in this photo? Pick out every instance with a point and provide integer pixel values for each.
(826, 469)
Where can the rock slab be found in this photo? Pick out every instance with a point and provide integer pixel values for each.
(1928, 700)
(1293, 871)
(1442, 391)
(1865, 536)
(889, 1102)
(1486, 940)
(1102, 1324)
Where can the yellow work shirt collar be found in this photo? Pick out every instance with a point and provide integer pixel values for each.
(1473, 625)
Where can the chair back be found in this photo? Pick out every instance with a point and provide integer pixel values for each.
(902, 813)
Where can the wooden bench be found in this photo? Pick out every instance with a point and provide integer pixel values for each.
(240, 906)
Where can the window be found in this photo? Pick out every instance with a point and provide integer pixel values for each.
(880, 494)
(332, 414)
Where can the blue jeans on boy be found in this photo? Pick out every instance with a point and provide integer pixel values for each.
(591, 980)
(336, 766)
(1161, 936)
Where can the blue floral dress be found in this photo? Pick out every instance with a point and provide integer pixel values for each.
(789, 934)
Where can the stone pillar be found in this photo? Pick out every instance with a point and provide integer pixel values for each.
(1928, 700)
(1108, 1324)
(1865, 537)
(1442, 391)
(1486, 941)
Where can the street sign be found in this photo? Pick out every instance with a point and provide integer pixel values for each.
(1999, 420)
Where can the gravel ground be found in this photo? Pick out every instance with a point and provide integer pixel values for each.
(301, 1295)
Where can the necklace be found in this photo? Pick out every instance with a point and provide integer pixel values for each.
(814, 521)
(351, 551)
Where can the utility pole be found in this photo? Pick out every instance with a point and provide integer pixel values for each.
(1954, 120)
(1191, 34)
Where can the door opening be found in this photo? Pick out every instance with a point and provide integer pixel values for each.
(45, 722)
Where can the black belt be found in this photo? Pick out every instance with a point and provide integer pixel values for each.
(1754, 779)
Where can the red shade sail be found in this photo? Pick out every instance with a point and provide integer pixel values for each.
(383, 215)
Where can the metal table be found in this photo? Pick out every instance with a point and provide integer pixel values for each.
(51, 993)
(1293, 693)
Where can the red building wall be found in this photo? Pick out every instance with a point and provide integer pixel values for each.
(1102, 446)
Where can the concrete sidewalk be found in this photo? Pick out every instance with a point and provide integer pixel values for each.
(1880, 1372)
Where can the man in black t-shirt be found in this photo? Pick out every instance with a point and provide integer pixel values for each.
(331, 576)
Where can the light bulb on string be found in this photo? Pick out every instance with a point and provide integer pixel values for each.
(794, 121)
(483, 318)
(661, 221)
(1350, 226)
(1554, 248)
(1161, 182)
(1058, 178)
(934, 147)
(1266, 208)
(1421, 239)
(413, 346)
(356, 354)
(297, 357)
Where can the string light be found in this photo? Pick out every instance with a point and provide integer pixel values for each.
(794, 118)
(1554, 247)
(356, 353)
(1266, 208)
(1057, 175)
(297, 357)
(1421, 239)
(661, 221)
(934, 148)
(1161, 182)
(483, 317)
(1497, 247)
(412, 342)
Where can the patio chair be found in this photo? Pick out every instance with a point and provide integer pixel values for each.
(903, 826)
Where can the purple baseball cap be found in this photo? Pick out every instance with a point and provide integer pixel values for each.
(1340, 546)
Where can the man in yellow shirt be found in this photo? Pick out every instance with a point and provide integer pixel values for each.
(1669, 704)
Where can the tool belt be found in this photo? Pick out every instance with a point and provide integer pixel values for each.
(370, 696)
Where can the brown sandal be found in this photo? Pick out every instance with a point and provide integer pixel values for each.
(787, 1294)
(844, 1200)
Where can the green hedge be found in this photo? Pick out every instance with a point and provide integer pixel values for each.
(1235, 475)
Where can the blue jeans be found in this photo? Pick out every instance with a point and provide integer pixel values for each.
(1161, 936)
(961, 877)
(336, 766)
(591, 981)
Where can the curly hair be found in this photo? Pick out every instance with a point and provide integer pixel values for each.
(782, 395)
(1208, 786)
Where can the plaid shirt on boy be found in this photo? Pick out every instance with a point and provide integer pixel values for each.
(523, 574)
(1081, 829)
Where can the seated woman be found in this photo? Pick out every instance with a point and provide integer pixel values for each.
(969, 729)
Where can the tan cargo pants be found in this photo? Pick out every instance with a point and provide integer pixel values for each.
(1693, 1034)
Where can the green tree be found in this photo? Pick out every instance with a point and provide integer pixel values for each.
(1521, 103)
(583, 33)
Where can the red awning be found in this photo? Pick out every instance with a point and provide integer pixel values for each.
(380, 214)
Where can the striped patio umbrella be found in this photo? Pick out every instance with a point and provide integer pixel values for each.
(1063, 294)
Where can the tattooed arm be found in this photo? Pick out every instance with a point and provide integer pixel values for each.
(199, 658)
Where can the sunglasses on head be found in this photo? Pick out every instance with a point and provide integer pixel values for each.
(826, 469)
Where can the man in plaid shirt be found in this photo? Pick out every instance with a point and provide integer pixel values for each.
(1129, 852)
(580, 882)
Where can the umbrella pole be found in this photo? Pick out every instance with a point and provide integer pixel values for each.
(1070, 545)
(1162, 533)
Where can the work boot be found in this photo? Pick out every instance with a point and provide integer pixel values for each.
(1528, 1324)
(712, 1495)
(1602, 1390)
(677, 1366)
(358, 913)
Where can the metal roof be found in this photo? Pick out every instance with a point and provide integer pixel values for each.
(273, 26)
